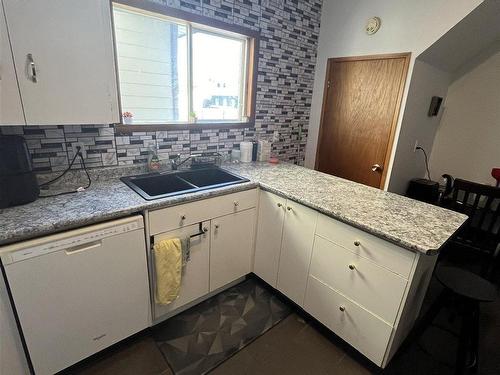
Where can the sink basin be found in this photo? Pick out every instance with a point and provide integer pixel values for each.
(162, 185)
(209, 177)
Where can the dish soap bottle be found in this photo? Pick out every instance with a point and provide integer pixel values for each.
(153, 161)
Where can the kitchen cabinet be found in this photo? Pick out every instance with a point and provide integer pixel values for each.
(284, 243)
(296, 249)
(232, 239)
(64, 61)
(195, 274)
(219, 256)
(269, 234)
(11, 109)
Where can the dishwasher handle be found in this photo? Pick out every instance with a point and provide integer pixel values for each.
(81, 248)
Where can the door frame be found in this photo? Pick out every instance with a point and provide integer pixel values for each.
(397, 112)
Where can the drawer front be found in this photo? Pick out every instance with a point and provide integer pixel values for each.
(183, 215)
(362, 330)
(369, 285)
(381, 252)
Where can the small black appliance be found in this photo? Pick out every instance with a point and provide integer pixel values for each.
(423, 190)
(18, 183)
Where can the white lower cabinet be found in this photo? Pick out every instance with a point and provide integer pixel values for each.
(269, 234)
(296, 248)
(231, 247)
(285, 236)
(223, 230)
(366, 290)
(370, 285)
(351, 322)
(195, 274)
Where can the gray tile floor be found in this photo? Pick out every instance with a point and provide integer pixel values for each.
(295, 346)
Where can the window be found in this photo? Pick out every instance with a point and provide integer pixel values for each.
(174, 72)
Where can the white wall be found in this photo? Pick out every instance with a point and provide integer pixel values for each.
(467, 143)
(426, 82)
(407, 26)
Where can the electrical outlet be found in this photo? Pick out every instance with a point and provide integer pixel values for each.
(415, 147)
(74, 146)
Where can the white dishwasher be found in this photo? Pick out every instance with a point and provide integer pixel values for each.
(79, 292)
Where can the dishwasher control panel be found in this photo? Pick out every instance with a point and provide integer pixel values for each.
(75, 240)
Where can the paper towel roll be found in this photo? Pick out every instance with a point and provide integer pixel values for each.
(246, 152)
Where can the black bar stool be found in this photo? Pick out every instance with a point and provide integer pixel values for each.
(468, 290)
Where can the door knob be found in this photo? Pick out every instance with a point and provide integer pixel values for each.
(376, 167)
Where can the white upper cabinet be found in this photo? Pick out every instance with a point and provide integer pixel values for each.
(64, 60)
(11, 109)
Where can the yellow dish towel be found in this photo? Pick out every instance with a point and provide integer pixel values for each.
(168, 264)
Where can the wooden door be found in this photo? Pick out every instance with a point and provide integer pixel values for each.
(64, 59)
(296, 250)
(360, 113)
(231, 247)
(195, 274)
(269, 233)
(11, 109)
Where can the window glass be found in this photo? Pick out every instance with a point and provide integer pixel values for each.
(218, 64)
(172, 71)
(152, 67)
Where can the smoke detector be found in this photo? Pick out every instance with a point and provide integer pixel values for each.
(373, 25)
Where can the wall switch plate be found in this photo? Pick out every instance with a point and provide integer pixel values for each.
(74, 146)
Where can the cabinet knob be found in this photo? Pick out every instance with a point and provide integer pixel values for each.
(183, 217)
(236, 203)
(289, 208)
(279, 205)
(342, 308)
(217, 226)
(205, 229)
(352, 267)
(357, 243)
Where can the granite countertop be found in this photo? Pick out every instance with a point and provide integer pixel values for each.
(408, 223)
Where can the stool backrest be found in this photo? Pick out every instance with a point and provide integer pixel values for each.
(482, 204)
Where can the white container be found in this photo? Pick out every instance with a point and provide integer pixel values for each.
(246, 149)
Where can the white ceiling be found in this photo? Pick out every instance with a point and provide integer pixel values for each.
(476, 33)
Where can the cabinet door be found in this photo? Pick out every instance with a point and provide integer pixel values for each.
(11, 110)
(64, 59)
(296, 249)
(231, 247)
(194, 281)
(269, 232)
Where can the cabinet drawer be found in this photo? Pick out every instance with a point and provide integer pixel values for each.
(369, 285)
(362, 330)
(381, 252)
(170, 218)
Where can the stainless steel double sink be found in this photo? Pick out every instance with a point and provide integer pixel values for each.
(161, 185)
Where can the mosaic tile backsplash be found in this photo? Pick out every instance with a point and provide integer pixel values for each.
(289, 32)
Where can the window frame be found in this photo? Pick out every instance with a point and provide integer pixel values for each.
(198, 22)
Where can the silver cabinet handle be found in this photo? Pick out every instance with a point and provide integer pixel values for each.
(342, 308)
(31, 68)
(376, 167)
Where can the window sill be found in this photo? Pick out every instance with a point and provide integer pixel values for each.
(123, 129)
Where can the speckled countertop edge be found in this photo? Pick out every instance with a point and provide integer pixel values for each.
(379, 213)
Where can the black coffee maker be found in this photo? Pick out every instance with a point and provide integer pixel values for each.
(18, 183)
